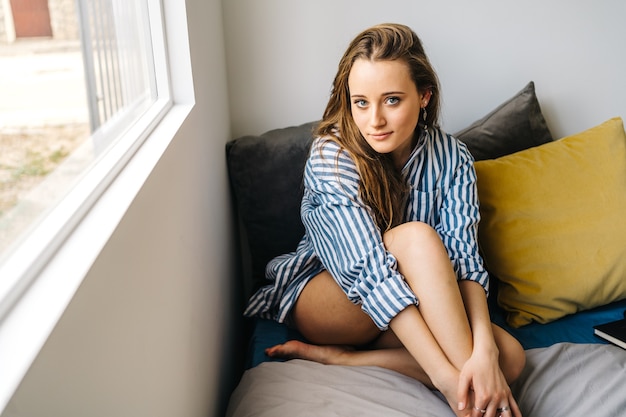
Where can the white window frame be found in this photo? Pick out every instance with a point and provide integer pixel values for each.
(42, 274)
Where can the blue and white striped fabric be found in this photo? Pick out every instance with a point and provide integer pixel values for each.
(341, 235)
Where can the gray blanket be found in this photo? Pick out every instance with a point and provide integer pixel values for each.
(561, 380)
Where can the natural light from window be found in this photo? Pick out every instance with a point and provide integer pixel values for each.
(75, 76)
(90, 99)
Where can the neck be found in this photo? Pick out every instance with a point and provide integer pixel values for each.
(402, 157)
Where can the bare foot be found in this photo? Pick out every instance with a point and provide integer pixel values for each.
(326, 354)
(448, 387)
(466, 412)
(347, 355)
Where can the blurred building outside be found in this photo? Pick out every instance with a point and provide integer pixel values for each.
(44, 114)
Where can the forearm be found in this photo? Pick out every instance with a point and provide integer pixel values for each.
(483, 372)
(475, 302)
(411, 329)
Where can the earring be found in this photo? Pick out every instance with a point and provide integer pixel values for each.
(424, 114)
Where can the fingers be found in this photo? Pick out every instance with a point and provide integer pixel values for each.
(478, 411)
(485, 395)
(504, 410)
(515, 411)
(463, 390)
(496, 405)
(490, 411)
(508, 409)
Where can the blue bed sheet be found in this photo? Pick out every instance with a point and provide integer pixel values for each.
(576, 328)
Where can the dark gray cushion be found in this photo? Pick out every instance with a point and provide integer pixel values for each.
(515, 125)
(266, 175)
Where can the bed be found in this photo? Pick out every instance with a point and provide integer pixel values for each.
(551, 311)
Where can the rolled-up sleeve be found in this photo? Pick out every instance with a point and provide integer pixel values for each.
(345, 236)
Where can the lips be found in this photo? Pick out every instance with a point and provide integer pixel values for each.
(380, 136)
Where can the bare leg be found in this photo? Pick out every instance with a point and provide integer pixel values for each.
(325, 316)
(424, 263)
(438, 334)
(436, 337)
(396, 359)
(388, 352)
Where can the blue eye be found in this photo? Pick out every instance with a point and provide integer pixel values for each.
(360, 103)
(393, 100)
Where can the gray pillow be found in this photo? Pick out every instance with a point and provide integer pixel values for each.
(515, 125)
(266, 175)
(266, 178)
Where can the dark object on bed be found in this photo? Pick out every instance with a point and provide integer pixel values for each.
(614, 331)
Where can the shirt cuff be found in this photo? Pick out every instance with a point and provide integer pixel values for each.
(388, 299)
(479, 277)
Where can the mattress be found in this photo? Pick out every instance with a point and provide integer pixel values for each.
(569, 372)
(565, 379)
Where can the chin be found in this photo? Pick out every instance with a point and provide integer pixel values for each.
(382, 149)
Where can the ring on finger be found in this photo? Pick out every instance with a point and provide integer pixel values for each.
(482, 410)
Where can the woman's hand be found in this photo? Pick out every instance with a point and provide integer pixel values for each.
(482, 373)
(491, 394)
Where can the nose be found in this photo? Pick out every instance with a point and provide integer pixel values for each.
(377, 117)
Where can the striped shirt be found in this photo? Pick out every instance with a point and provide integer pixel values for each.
(341, 235)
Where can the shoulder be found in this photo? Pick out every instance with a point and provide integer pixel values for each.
(328, 159)
(330, 175)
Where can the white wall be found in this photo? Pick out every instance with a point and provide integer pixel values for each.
(282, 56)
(148, 331)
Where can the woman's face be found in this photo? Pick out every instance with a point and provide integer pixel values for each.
(385, 106)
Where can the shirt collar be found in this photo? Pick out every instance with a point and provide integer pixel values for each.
(419, 145)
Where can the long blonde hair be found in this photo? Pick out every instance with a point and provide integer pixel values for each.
(382, 187)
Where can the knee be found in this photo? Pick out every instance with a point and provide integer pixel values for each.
(411, 235)
(516, 363)
(513, 359)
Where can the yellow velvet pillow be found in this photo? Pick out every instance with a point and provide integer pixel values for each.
(553, 227)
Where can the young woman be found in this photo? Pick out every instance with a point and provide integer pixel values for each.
(388, 272)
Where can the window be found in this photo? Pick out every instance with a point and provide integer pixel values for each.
(47, 260)
(52, 171)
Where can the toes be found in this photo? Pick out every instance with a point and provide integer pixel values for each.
(286, 350)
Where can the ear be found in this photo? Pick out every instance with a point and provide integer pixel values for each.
(425, 97)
